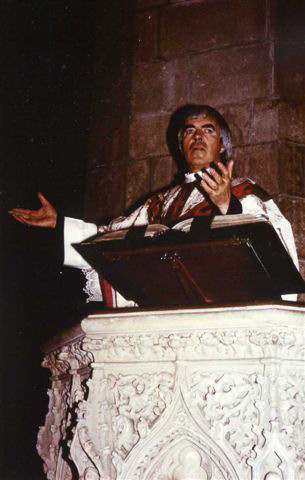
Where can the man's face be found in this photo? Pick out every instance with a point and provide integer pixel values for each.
(201, 142)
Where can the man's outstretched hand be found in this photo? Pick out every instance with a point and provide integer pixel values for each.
(46, 216)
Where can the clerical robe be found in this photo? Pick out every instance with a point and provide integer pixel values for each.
(168, 207)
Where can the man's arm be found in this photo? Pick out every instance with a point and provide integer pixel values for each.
(74, 230)
(45, 216)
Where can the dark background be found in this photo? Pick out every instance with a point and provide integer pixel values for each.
(48, 71)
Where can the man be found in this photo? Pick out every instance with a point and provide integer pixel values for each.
(204, 143)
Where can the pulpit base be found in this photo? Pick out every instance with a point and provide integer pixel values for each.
(209, 393)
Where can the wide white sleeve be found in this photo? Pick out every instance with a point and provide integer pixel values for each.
(252, 204)
(74, 232)
(77, 230)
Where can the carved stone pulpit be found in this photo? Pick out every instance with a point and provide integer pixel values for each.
(205, 394)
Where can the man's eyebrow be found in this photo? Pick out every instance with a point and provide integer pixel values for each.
(209, 125)
(205, 125)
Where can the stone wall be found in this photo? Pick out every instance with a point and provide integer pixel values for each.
(244, 57)
(108, 149)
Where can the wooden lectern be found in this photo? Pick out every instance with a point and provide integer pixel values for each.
(240, 263)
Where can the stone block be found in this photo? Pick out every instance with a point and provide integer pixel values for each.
(292, 121)
(144, 137)
(150, 88)
(138, 181)
(179, 87)
(238, 118)
(105, 194)
(161, 172)
(260, 163)
(195, 26)
(265, 126)
(145, 36)
(111, 148)
(292, 169)
(147, 137)
(160, 87)
(164, 123)
(294, 211)
(231, 75)
(290, 72)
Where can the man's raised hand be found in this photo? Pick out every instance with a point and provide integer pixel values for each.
(218, 185)
(46, 216)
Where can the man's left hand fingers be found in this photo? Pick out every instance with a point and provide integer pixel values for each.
(20, 211)
(216, 176)
(210, 181)
(19, 218)
(226, 170)
(206, 187)
(223, 169)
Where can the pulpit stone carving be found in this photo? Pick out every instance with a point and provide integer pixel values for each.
(211, 394)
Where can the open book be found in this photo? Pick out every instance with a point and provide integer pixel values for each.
(155, 229)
